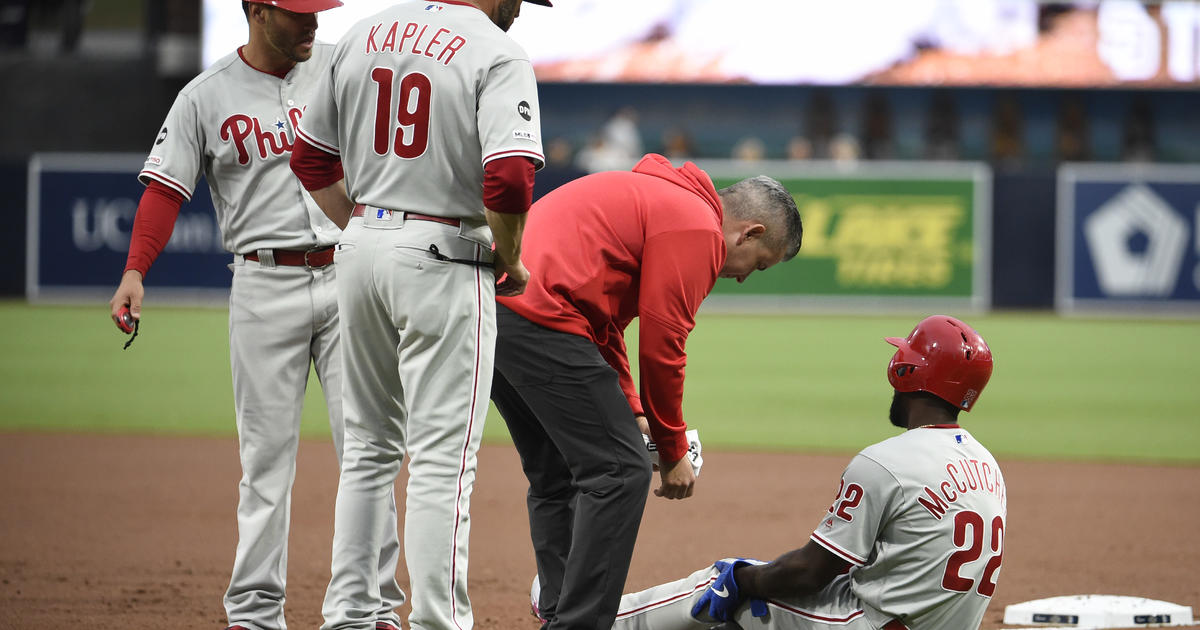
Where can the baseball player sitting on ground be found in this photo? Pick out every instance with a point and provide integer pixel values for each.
(914, 537)
(602, 250)
(433, 110)
(234, 124)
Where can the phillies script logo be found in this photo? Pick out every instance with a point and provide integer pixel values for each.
(247, 134)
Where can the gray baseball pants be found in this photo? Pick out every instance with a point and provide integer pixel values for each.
(587, 466)
(418, 334)
(281, 320)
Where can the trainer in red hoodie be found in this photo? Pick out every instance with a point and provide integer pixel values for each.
(602, 250)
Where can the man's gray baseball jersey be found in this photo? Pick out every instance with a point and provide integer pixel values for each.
(233, 124)
(426, 93)
(418, 99)
(920, 518)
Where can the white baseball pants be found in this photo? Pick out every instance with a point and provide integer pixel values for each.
(280, 319)
(418, 339)
(669, 607)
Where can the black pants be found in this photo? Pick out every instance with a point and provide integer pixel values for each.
(586, 463)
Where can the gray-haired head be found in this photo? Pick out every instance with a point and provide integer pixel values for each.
(764, 200)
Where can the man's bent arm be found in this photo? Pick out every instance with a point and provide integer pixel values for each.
(794, 574)
(334, 202)
(321, 175)
(507, 230)
(507, 193)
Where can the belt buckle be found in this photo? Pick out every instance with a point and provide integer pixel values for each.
(309, 265)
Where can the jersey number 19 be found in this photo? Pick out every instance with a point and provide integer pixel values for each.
(412, 115)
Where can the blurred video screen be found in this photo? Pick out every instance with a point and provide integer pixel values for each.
(1127, 43)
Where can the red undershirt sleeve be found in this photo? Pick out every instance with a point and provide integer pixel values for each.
(508, 184)
(152, 225)
(315, 168)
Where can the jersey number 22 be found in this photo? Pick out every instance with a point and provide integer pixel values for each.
(969, 538)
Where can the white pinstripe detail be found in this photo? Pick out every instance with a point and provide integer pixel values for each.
(838, 551)
(168, 182)
(666, 600)
(462, 465)
(317, 143)
(533, 154)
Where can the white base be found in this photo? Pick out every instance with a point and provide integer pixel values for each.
(1098, 611)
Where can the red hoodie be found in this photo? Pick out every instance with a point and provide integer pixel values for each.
(609, 247)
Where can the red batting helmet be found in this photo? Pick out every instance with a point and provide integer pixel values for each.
(942, 356)
(301, 6)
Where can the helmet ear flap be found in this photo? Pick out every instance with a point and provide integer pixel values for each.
(903, 375)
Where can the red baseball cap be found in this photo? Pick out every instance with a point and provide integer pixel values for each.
(302, 6)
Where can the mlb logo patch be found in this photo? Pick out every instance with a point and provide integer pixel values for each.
(958, 438)
(433, 7)
(383, 215)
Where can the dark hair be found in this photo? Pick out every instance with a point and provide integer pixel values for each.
(764, 200)
(246, 7)
(949, 407)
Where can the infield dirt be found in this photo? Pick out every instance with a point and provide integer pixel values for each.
(111, 533)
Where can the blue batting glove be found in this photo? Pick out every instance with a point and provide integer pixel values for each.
(721, 599)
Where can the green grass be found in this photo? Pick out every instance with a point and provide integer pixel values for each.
(1061, 388)
(1095, 389)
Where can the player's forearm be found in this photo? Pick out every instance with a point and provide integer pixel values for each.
(334, 202)
(779, 580)
(507, 192)
(507, 230)
(794, 574)
(152, 226)
(321, 175)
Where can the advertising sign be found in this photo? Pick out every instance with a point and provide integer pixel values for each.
(81, 209)
(1128, 238)
(898, 234)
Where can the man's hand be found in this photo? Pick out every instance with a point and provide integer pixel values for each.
(511, 279)
(129, 295)
(678, 480)
(721, 600)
